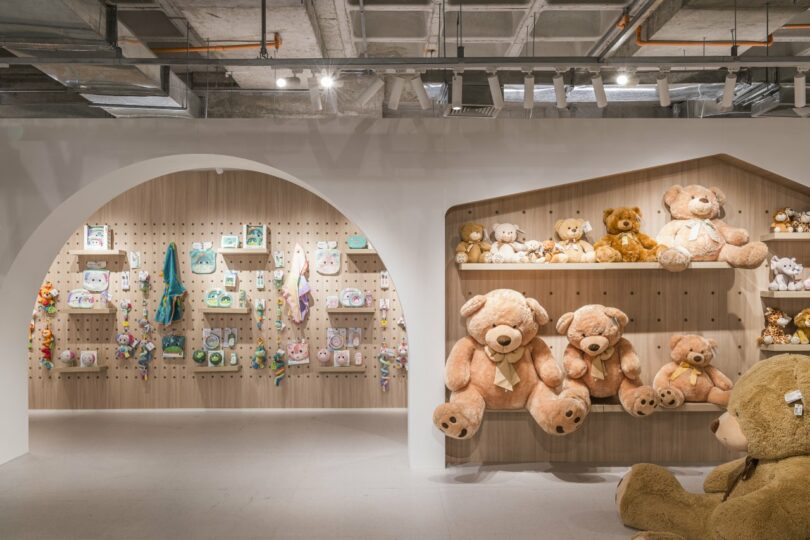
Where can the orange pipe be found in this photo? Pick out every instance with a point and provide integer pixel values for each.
(671, 43)
(275, 43)
(796, 27)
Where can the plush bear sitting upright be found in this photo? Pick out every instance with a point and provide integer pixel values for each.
(690, 377)
(603, 360)
(474, 246)
(763, 496)
(624, 241)
(571, 232)
(506, 247)
(501, 364)
(696, 232)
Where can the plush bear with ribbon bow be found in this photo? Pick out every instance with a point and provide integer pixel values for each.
(762, 496)
(601, 358)
(502, 365)
(474, 245)
(690, 376)
(624, 241)
(696, 232)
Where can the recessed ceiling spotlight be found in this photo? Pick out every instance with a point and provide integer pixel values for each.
(281, 82)
(622, 78)
(327, 81)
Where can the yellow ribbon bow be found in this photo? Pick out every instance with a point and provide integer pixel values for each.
(505, 374)
(598, 369)
(683, 368)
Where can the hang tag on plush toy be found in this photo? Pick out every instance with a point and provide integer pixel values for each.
(793, 395)
(124, 281)
(278, 259)
(587, 227)
(798, 409)
(260, 279)
(385, 280)
(134, 260)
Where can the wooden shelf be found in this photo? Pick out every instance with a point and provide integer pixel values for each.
(110, 310)
(790, 347)
(347, 369)
(226, 311)
(77, 369)
(216, 369)
(543, 267)
(97, 252)
(599, 408)
(365, 251)
(344, 310)
(243, 251)
(786, 236)
(784, 294)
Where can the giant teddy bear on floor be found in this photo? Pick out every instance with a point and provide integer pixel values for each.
(696, 232)
(502, 365)
(763, 496)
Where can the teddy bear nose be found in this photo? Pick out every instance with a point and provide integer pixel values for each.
(715, 425)
(504, 340)
(593, 347)
(698, 358)
(704, 200)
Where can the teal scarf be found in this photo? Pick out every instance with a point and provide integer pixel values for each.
(171, 303)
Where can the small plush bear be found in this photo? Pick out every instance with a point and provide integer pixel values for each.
(603, 360)
(547, 251)
(776, 321)
(507, 248)
(690, 376)
(624, 241)
(571, 232)
(802, 333)
(474, 244)
(503, 365)
(786, 272)
(783, 220)
(762, 496)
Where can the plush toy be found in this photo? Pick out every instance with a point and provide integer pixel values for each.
(603, 360)
(690, 376)
(783, 220)
(776, 321)
(474, 245)
(803, 221)
(47, 348)
(762, 496)
(802, 322)
(786, 272)
(46, 298)
(547, 251)
(506, 247)
(259, 358)
(501, 364)
(696, 232)
(624, 241)
(126, 346)
(572, 232)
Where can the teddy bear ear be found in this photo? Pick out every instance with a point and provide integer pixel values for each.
(712, 343)
(721, 197)
(540, 314)
(672, 193)
(473, 304)
(606, 213)
(674, 339)
(637, 210)
(618, 315)
(564, 322)
(557, 224)
(495, 226)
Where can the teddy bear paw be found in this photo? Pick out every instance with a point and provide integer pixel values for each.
(567, 415)
(450, 419)
(497, 258)
(643, 402)
(461, 258)
(674, 260)
(670, 398)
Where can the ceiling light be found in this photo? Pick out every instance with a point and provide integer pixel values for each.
(663, 89)
(458, 83)
(315, 95)
(396, 92)
(495, 90)
(327, 81)
(281, 82)
(559, 90)
(528, 91)
(370, 92)
(800, 89)
(727, 100)
(622, 78)
(599, 90)
(421, 94)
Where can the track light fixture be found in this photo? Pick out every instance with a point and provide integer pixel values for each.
(281, 82)
(495, 90)
(370, 92)
(396, 92)
(419, 89)
(327, 81)
(458, 82)
(727, 101)
(315, 95)
(528, 91)
(599, 90)
(663, 88)
(622, 78)
(559, 90)
(800, 89)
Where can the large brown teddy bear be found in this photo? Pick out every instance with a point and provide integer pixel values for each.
(503, 365)
(763, 496)
(474, 247)
(696, 232)
(624, 241)
(571, 232)
(690, 376)
(603, 360)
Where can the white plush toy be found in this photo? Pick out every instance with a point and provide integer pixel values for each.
(786, 272)
(506, 248)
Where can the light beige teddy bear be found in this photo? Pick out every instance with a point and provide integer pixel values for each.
(507, 248)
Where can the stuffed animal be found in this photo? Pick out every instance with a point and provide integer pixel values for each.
(547, 251)
(126, 346)
(690, 376)
(624, 241)
(802, 322)
(803, 220)
(603, 360)
(783, 220)
(572, 232)
(696, 232)
(46, 298)
(501, 364)
(47, 348)
(776, 321)
(474, 244)
(786, 272)
(762, 496)
(507, 248)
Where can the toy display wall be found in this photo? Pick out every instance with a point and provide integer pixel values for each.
(721, 303)
(200, 206)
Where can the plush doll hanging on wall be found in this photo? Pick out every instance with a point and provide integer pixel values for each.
(47, 348)
(46, 298)
(690, 375)
(624, 241)
(474, 246)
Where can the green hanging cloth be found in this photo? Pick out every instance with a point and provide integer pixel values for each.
(171, 303)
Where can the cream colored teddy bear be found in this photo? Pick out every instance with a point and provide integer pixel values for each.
(506, 248)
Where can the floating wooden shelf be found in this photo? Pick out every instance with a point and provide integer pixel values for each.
(90, 311)
(365, 251)
(243, 251)
(226, 311)
(343, 310)
(492, 267)
(77, 369)
(790, 347)
(97, 252)
(347, 369)
(784, 294)
(780, 236)
(599, 408)
(216, 369)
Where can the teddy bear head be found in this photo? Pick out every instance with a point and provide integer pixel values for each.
(503, 319)
(759, 420)
(472, 232)
(623, 219)
(594, 328)
(802, 319)
(694, 201)
(776, 317)
(787, 266)
(696, 350)
(570, 228)
(784, 215)
(505, 233)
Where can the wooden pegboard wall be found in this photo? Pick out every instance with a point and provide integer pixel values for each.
(723, 304)
(201, 206)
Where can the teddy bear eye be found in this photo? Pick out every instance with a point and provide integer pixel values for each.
(514, 326)
(494, 325)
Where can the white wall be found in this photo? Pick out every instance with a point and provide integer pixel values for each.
(394, 178)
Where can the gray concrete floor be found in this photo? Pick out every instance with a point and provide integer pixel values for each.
(228, 475)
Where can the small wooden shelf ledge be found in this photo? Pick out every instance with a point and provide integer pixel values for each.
(344, 310)
(217, 369)
(784, 294)
(543, 267)
(97, 252)
(77, 369)
(109, 310)
(790, 347)
(347, 369)
(243, 251)
(599, 408)
(787, 236)
(226, 311)
(364, 251)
